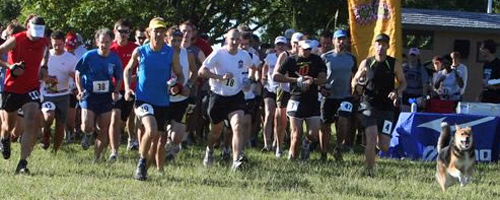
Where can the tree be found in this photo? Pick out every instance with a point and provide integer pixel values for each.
(9, 10)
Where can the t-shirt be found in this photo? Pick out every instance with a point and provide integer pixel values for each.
(271, 60)
(60, 67)
(220, 62)
(449, 89)
(97, 73)
(79, 51)
(153, 73)
(249, 90)
(297, 65)
(491, 70)
(340, 69)
(125, 53)
(416, 79)
(204, 46)
(465, 75)
(31, 52)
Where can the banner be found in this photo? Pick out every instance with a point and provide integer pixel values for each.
(415, 135)
(367, 19)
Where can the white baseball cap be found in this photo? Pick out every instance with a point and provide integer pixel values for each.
(280, 39)
(297, 36)
(306, 44)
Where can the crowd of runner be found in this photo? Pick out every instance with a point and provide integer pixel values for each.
(164, 88)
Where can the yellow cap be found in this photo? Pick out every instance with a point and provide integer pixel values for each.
(157, 22)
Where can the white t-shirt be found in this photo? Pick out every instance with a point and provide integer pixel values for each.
(60, 66)
(79, 51)
(271, 60)
(184, 61)
(463, 71)
(249, 91)
(220, 62)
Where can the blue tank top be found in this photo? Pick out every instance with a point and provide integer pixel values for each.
(153, 73)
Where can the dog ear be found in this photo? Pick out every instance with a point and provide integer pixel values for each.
(457, 127)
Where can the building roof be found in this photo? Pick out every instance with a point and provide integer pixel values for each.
(450, 20)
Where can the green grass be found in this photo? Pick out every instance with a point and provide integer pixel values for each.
(71, 175)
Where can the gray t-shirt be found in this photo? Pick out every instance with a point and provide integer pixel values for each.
(416, 79)
(339, 70)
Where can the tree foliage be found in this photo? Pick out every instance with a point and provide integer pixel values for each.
(9, 10)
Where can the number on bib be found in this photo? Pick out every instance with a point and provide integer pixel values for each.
(292, 106)
(144, 109)
(346, 106)
(48, 106)
(387, 128)
(230, 83)
(100, 86)
(34, 95)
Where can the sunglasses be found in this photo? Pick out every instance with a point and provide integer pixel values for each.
(141, 38)
(123, 31)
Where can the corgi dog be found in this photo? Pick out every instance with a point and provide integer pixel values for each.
(456, 157)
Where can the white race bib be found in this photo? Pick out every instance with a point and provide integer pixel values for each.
(144, 109)
(387, 128)
(230, 83)
(100, 86)
(292, 106)
(48, 106)
(346, 106)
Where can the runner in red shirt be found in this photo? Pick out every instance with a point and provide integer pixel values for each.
(27, 51)
(122, 109)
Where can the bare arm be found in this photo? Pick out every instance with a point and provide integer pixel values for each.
(201, 56)
(78, 82)
(360, 73)
(281, 59)
(6, 47)
(127, 72)
(321, 80)
(265, 68)
(176, 67)
(206, 73)
(44, 71)
(192, 69)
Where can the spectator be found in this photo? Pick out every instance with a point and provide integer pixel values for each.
(416, 78)
(448, 82)
(491, 70)
(457, 65)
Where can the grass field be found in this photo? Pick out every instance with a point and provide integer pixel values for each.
(71, 175)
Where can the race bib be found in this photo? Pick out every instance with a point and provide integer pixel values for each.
(100, 86)
(387, 127)
(48, 106)
(144, 109)
(34, 95)
(292, 106)
(346, 106)
(230, 83)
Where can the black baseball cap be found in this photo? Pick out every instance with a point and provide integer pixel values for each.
(382, 37)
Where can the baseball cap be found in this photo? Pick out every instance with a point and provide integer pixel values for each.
(414, 51)
(340, 33)
(314, 44)
(280, 39)
(289, 33)
(306, 44)
(157, 22)
(297, 36)
(382, 37)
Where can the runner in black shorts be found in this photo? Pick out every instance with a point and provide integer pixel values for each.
(305, 72)
(379, 98)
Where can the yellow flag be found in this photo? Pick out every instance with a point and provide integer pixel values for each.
(368, 18)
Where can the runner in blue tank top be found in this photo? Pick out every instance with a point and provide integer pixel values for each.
(155, 62)
(93, 77)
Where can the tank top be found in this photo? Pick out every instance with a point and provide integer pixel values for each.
(380, 82)
(153, 73)
(184, 61)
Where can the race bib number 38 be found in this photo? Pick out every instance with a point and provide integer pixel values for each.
(100, 86)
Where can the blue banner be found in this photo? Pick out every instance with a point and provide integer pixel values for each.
(416, 134)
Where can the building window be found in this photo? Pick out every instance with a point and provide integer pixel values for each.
(418, 38)
(463, 47)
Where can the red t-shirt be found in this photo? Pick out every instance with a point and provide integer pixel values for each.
(204, 46)
(31, 52)
(125, 53)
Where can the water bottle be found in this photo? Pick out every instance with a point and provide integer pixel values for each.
(414, 105)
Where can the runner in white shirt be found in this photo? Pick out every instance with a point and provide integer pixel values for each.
(224, 69)
(178, 102)
(61, 69)
(270, 88)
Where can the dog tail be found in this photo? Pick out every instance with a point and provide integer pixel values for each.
(444, 137)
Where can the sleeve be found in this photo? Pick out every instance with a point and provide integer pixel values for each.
(81, 65)
(212, 60)
(355, 63)
(266, 59)
(321, 65)
(256, 61)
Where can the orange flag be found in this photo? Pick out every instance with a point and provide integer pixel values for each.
(368, 18)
